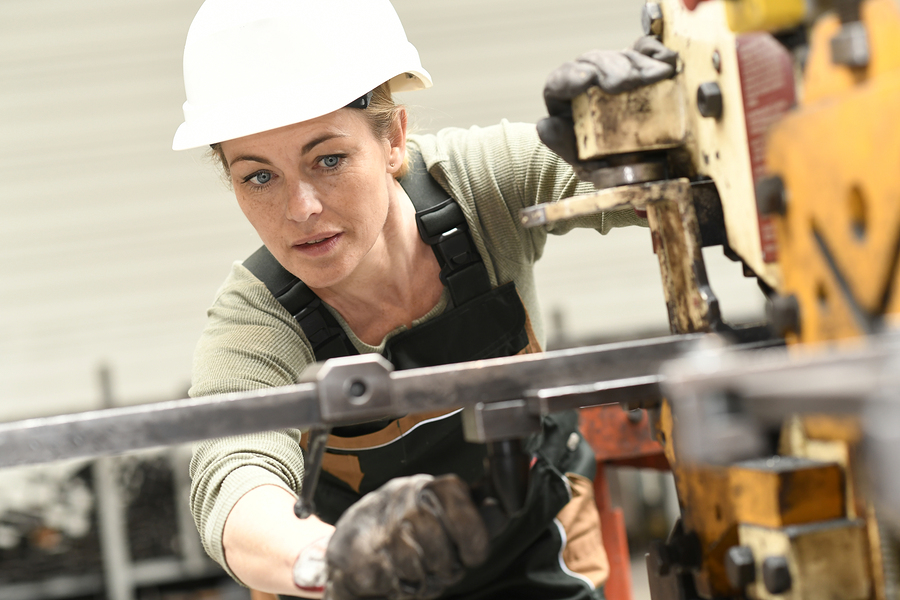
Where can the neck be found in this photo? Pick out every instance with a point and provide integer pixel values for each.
(396, 283)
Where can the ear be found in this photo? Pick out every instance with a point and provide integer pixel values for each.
(397, 141)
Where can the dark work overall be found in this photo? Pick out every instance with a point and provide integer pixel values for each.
(525, 560)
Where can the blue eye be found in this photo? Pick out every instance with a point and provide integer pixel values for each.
(331, 161)
(261, 178)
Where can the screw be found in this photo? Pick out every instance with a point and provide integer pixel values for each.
(850, 47)
(652, 19)
(740, 567)
(776, 574)
(771, 196)
(717, 61)
(709, 100)
(783, 314)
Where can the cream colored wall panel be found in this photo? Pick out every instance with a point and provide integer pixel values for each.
(112, 246)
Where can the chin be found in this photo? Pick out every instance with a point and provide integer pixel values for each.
(321, 277)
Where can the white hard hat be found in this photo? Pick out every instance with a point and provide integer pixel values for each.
(256, 65)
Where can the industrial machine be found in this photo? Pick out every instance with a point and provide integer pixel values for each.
(777, 139)
(792, 132)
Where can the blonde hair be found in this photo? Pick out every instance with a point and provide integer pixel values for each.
(382, 114)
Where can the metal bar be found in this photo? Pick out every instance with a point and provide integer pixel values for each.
(727, 403)
(637, 195)
(114, 547)
(355, 386)
(115, 430)
(518, 377)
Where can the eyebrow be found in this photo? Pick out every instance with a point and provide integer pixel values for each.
(322, 138)
(306, 148)
(249, 158)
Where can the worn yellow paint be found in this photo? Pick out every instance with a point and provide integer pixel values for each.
(826, 560)
(764, 15)
(706, 509)
(719, 148)
(775, 495)
(830, 427)
(839, 156)
(676, 241)
(649, 118)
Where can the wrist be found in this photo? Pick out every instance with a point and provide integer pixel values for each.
(309, 570)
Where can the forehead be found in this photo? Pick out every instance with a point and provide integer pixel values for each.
(345, 123)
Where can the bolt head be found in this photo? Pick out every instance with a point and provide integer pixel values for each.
(652, 19)
(776, 575)
(850, 47)
(740, 566)
(771, 196)
(709, 100)
(783, 314)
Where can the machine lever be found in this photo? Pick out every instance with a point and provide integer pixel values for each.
(315, 452)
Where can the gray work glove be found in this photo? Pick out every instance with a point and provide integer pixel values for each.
(410, 538)
(615, 71)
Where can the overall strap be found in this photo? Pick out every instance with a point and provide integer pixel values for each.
(325, 334)
(442, 225)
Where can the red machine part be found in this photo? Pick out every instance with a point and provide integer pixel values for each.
(618, 441)
(768, 89)
(692, 4)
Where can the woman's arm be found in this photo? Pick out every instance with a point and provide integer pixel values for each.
(250, 342)
(262, 540)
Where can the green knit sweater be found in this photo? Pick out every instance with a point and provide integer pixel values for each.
(251, 342)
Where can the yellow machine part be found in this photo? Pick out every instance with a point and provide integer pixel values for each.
(764, 15)
(839, 157)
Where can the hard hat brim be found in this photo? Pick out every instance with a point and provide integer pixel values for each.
(214, 127)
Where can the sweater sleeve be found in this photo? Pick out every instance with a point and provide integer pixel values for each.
(509, 163)
(250, 342)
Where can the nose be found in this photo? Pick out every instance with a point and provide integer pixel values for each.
(303, 202)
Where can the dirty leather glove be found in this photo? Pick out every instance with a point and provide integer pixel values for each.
(615, 71)
(411, 538)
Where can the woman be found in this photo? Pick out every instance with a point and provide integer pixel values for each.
(294, 97)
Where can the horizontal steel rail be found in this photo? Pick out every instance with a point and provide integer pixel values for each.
(354, 389)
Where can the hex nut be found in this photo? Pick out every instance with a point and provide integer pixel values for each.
(771, 196)
(850, 46)
(652, 19)
(709, 100)
(740, 566)
(776, 574)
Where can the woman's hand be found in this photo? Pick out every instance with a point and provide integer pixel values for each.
(614, 71)
(410, 539)
(262, 539)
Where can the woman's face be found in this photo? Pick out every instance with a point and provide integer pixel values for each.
(318, 193)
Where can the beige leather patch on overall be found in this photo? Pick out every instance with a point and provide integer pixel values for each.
(584, 552)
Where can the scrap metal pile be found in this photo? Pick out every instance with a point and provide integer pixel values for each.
(778, 139)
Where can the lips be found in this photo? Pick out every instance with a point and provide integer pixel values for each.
(318, 244)
(316, 239)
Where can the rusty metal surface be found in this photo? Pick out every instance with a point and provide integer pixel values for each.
(615, 435)
(638, 196)
(649, 118)
(676, 239)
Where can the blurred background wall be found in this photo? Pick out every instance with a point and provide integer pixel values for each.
(112, 245)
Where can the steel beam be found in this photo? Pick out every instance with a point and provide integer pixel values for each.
(355, 389)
